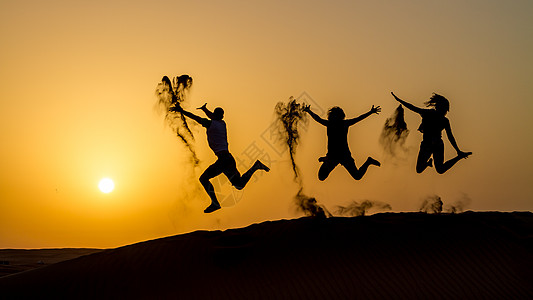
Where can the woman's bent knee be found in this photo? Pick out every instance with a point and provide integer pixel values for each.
(440, 170)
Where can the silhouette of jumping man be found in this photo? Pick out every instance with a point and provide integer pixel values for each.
(225, 163)
(433, 122)
(338, 151)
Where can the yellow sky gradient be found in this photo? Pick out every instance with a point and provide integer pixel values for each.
(77, 104)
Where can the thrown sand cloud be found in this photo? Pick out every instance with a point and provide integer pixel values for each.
(394, 134)
(356, 209)
(434, 205)
(309, 206)
(289, 116)
(459, 205)
(431, 205)
(171, 95)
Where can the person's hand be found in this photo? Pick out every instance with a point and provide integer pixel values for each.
(307, 108)
(203, 106)
(375, 110)
(176, 108)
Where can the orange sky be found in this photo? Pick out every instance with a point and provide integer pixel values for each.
(77, 104)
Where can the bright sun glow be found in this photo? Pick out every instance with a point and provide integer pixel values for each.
(106, 185)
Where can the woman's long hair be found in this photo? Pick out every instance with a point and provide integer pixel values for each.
(439, 102)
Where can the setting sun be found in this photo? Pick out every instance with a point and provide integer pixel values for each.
(106, 185)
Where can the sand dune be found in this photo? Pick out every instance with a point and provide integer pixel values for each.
(471, 255)
(18, 260)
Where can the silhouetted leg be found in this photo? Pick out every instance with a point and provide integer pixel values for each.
(327, 166)
(238, 181)
(359, 173)
(447, 165)
(438, 156)
(248, 174)
(211, 171)
(423, 160)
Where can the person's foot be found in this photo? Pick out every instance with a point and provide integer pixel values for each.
(464, 154)
(373, 161)
(430, 162)
(211, 208)
(322, 159)
(260, 166)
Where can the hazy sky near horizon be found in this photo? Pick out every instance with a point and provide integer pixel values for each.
(77, 104)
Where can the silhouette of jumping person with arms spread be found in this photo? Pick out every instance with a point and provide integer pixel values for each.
(338, 150)
(225, 163)
(433, 122)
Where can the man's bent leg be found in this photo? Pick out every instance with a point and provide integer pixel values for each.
(240, 181)
(211, 171)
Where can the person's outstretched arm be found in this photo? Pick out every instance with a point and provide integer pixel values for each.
(417, 110)
(374, 110)
(198, 119)
(207, 112)
(451, 138)
(307, 108)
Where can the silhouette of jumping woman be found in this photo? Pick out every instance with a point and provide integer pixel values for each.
(225, 163)
(433, 122)
(338, 151)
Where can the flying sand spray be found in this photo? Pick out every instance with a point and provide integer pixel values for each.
(289, 116)
(170, 96)
(394, 134)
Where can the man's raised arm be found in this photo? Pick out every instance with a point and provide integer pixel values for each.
(198, 119)
(207, 112)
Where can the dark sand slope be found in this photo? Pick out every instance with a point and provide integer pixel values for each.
(386, 256)
(19, 260)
